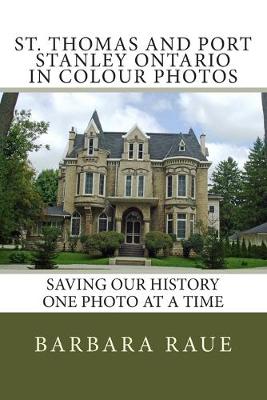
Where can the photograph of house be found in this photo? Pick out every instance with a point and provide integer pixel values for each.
(133, 182)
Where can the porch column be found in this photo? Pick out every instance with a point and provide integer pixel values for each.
(118, 225)
(146, 226)
(88, 221)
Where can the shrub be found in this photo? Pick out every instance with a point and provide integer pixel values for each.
(195, 242)
(172, 236)
(227, 248)
(244, 251)
(73, 242)
(263, 251)
(43, 257)
(187, 246)
(105, 242)
(18, 257)
(213, 252)
(158, 241)
(84, 242)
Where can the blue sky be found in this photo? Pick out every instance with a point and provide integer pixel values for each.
(231, 121)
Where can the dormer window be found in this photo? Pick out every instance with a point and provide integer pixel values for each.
(182, 146)
(131, 151)
(90, 146)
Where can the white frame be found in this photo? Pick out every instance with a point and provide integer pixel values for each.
(125, 185)
(185, 186)
(78, 177)
(84, 182)
(104, 185)
(182, 143)
(177, 224)
(193, 178)
(93, 148)
(130, 158)
(169, 219)
(79, 224)
(106, 222)
(193, 220)
(140, 158)
(137, 186)
(167, 178)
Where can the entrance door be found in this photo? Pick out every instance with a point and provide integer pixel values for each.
(133, 228)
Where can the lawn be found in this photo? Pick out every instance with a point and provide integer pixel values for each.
(82, 258)
(231, 262)
(62, 258)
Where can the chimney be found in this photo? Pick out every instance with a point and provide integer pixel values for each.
(72, 136)
(204, 150)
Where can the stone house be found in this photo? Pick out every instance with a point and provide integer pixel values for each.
(132, 182)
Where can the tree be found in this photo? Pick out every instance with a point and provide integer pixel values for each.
(45, 254)
(213, 252)
(254, 187)
(226, 180)
(20, 203)
(46, 184)
(264, 107)
(7, 107)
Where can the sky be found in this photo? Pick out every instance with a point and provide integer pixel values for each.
(231, 121)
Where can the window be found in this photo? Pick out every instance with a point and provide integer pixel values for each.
(75, 224)
(140, 151)
(211, 209)
(131, 151)
(78, 183)
(181, 185)
(169, 227)
(101, 185)
(193, 187)
(169, 186)
(89, 181)
(181, 226)
(140, 185)
(182, 146)
(102, 223)
(192, 224)
(128, 185)
(90, 146)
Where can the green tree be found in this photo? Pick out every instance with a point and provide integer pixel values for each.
(226, 181)
(254, 187)
(244, 251)
(264, 107)
(45, 254)
(20, 203)
(7, 107)
(46, 184)
(213, 252)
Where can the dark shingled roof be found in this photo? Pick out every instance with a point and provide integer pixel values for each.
(161, 145)
(56, 211)
(257, 229)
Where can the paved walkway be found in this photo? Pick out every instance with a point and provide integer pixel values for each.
(117, 269)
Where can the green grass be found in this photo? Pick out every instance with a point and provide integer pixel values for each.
(172, 261)
(231, 262)
(62, 258)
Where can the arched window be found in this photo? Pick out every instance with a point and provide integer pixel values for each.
(102, 222)
(105, 223)
(75, 224)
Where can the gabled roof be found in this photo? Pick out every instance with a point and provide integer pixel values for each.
(256, 229)
(55, 211)
(160, 145)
